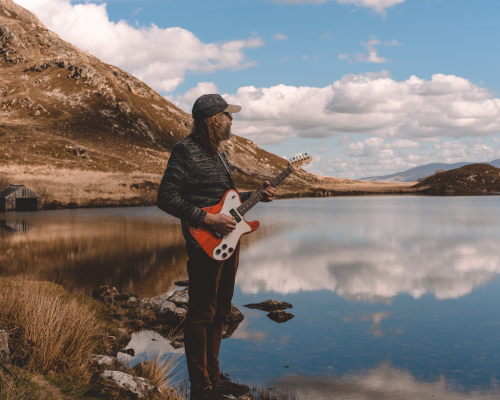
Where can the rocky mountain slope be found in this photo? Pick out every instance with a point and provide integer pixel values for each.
(81, 131)
(471, 179)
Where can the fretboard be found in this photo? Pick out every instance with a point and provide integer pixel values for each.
(257, 195)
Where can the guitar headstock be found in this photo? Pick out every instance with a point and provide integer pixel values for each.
(298, 161)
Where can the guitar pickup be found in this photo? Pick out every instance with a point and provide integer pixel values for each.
(235, 215)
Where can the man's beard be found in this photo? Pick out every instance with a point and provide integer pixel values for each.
(225, 130)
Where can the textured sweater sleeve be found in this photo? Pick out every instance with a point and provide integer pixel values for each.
(170, 197)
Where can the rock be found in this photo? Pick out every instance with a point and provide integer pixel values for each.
(127, 384)
(12, 141)
(184, 282)
(269, 305)
(169, 312)
(100, 363)
(177, 344)
(130, 352)
(122, 296)
(4, 346)
(131, 303)
(280, 316)
(180, 298)
(235, 315)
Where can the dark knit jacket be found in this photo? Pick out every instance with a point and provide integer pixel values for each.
(194, 179)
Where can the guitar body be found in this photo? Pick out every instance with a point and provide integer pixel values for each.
(221, 247)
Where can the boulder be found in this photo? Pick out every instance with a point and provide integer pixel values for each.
(269, 305)
(131, 303)
(172, 309)
(280, 316)
(100, 363)
(235, 315)
(180, 298)
(128, 385)
(169, 312)
(4, 346)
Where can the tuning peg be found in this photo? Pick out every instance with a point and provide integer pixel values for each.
(306, 154)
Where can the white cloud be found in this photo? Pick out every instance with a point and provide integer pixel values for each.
(372, 56)
(369, 103)
(393, 42)
(324, 151)
(305, 57)
(376, 5)
(185, 101)
(280, 36)
(496, 139)
(345, 141)
(136, 11)
(159, 57)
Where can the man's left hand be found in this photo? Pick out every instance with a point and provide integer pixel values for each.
(268, 191)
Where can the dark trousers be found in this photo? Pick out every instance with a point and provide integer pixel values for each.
(211, 287)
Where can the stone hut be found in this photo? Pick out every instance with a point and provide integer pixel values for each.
(20, 198)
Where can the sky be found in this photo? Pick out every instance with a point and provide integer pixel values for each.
(367, 87)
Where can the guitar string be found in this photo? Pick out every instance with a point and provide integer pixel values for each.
(257, 196)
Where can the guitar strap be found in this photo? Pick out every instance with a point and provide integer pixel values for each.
(227, 168)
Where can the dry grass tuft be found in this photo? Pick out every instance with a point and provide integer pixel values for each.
(159, 370)
(49, 330)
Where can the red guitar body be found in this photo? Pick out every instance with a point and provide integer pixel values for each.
(221, 247)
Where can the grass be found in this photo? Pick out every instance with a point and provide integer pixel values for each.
(49, 330)
(52, 334)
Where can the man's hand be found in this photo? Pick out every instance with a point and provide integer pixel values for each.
(268, 191)
(221, 223)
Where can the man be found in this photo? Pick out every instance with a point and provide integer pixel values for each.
(197, 176)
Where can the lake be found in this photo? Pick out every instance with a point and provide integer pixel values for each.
(394, 297)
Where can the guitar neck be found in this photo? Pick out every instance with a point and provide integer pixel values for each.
(257, 195)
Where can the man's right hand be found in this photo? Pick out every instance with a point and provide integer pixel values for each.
(221, 223)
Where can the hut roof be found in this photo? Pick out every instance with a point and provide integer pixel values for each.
(14, 188)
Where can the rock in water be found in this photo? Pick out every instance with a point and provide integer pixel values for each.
(128, 385)
(235, 315)
(4, 346)
(269, 305)
(280, 316)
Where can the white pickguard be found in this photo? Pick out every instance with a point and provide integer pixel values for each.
(221, 252)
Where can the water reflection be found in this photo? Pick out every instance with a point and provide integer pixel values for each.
(384, 383)
(140, 251)
(373, 256)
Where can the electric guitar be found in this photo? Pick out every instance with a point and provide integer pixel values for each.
(220, 247)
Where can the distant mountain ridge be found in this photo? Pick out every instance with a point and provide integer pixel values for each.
(422, 171)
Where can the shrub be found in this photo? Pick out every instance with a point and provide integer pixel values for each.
(49, 329)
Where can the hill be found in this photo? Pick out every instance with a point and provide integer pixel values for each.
(420, 172)
(82, 132)
(470, 179)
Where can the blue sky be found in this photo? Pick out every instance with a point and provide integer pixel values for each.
(362, 113)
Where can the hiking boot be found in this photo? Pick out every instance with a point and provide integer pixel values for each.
(224, 385)
(205, 393)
